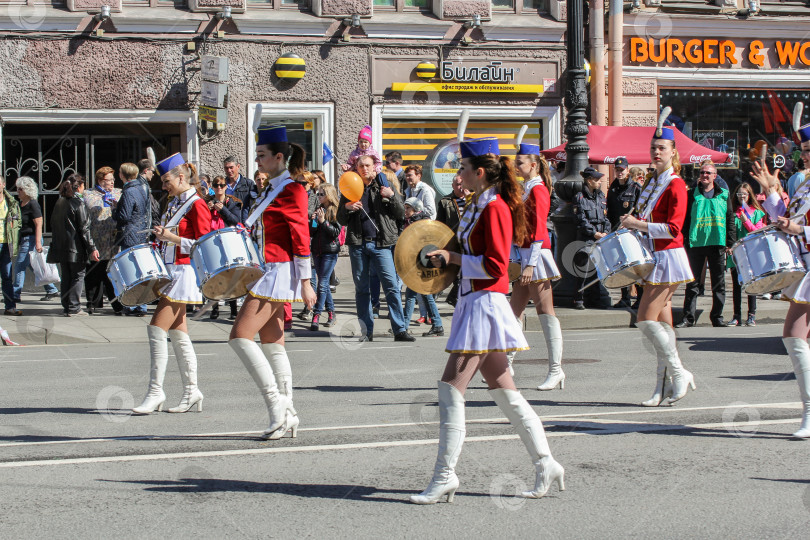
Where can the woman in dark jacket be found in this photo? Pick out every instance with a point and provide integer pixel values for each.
(71, 245)
(324, 231)
(225, 212)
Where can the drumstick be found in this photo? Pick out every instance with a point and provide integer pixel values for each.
(150, 230)
(203, 310)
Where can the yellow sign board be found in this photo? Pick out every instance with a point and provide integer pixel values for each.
(468, 87)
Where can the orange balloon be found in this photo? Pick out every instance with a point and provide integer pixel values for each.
(351, 186)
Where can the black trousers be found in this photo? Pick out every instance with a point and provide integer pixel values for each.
(71, 286)
(716, 257)
(736, 296)
(98, 285)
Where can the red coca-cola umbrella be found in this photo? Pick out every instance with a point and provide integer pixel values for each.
(610, 142)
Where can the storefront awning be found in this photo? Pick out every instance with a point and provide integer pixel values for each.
(610, 142)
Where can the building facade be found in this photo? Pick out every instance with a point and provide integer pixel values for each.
(94, 82)
(732, 75)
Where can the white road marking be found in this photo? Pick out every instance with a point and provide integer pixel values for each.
(361, 446)
(590, 417)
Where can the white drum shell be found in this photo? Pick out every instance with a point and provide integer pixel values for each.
(622, 258)
(767, 260)
(226, 264)
(137, 274)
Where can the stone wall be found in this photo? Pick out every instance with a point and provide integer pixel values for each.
(94, 74)
(640, 102)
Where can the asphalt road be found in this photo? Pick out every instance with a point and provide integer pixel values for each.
(719, 464)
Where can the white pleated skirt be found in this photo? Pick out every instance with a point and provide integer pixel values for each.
(184, 288)
(671, 267)
(280, 283)
(545, 270)
(483, 322)
(799, 292)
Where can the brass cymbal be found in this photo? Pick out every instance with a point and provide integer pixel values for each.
(411, 242)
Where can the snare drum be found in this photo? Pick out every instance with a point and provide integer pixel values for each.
(622, 258)
(137, 274)
(767, 260)
(226, 264)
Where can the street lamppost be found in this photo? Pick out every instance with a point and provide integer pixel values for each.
(576, 150)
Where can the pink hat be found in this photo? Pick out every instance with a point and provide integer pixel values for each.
(365, 133)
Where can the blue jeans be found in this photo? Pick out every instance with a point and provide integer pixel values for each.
(23, 262)
(5, 276)
(324, 264)
(432, 308)
(363, 258)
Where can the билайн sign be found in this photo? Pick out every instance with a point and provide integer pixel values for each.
(491, 78)
(715, 52)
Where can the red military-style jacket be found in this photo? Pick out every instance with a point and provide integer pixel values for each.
(537, 205)
(671, 210)
(485, 234)
(195, 224)
(283, 230)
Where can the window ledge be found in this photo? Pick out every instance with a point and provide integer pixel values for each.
(282, 23)
(407, 25)
(511, 27)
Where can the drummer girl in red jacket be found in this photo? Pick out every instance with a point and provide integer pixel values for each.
(484, 329)
(537, 260)
(282, 231)
(662, 207)
(170, 315)
(787, 218)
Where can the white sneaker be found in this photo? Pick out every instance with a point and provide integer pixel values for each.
(766, 296)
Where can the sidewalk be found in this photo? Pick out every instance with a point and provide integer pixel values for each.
(43, 323)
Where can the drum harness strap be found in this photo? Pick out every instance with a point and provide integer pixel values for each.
(269, 197)
(176, 217)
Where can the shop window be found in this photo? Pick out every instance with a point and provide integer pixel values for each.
(739, 122)
(519, 6)
(433, 145)
(310, 125)
(402, 5)
(302, 5)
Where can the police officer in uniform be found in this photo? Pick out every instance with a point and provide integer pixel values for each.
(590, 211)
(621, 199)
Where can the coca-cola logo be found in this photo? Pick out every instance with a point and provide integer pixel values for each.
(609, 159)
(561, 156)
(699, 159)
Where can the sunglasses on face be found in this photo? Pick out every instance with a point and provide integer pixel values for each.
(321, 194)
(219, 185)
(706, 172)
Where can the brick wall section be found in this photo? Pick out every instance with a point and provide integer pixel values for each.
(640, 102)
(93, 6)
(342, 8)
(464, 9)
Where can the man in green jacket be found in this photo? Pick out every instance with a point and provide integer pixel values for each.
(708, 232)
(10, 234)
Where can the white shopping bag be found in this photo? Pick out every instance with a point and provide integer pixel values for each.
(44, 273)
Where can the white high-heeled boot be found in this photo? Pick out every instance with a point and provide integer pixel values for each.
(530, 428)
(159, 354)
(187, 362)
(452, 429)
(554, 344)
(660, 339)
(799, 353)
(259, 368)
(280, 364)
(663, 386)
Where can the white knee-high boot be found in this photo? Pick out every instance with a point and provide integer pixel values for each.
(187, 362)
(660, 339)
(554, 344)
(259, 368)
(280, 364)
(530, 428)
(799, 353)
(159, 354)
(663, 385)
(452, 428)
